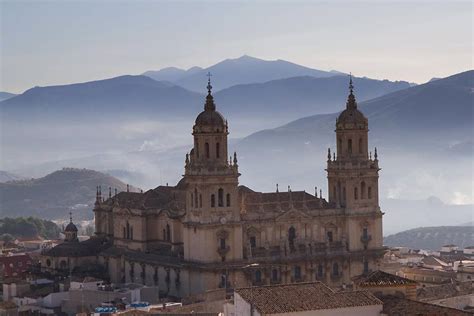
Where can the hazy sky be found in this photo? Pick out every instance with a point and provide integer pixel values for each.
(59, 42)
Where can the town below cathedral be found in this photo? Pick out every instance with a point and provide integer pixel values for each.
(211, 245)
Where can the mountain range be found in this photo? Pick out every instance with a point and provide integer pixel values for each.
(231, 72)
(432, 238)
(55, 195)
(6, 95)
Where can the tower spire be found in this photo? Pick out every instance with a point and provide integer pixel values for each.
(70, 217)
(209, 106)
(351, 101)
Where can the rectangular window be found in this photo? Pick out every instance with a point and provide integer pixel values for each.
(329, 236)
(222, 243)
(297, 272)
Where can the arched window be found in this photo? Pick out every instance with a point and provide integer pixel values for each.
(335, 269)
(227, 199)
(200, 200)
(220, 197)
(131, 232)
(213, 200)
(320, 271)
(218, 150)
(349, 146)
(369, 192)
(356, 194)
(207, 150)
(335, 193)
(128, 230)
(195, 197)
(197, 148)
(291, 236)
(192, 200)
(168, 232)
(164, 234)
(362, 190)
(124, 233)
(360, 145)
(258, 276)
(339, 147)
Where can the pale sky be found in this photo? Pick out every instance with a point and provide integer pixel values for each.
(61, 42)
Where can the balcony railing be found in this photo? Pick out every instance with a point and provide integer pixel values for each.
(365, 239)
(299, 250)
(223, 251)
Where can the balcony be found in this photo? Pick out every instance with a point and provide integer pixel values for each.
(365, 239)
(299, 250)
(223, 251)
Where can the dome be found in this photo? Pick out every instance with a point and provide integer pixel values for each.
(71, 227)
(210, 117)
(351, 114)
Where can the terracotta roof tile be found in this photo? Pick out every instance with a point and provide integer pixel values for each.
(380, 278)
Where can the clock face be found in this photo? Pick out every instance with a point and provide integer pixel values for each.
(223, 220)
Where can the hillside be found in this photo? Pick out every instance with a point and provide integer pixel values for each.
(231, 72)
(57, 194)
(432, 238)
(8, 176)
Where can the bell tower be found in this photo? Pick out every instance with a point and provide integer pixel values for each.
(211, 178)
(353, 183)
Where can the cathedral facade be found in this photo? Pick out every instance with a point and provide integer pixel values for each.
(209, 232)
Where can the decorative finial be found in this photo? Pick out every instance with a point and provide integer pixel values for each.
(110, 192)
(351, 101)
(316, 192)
(320, 193)
(128, 188)
(375, 153)
(277, 188)
(370, 155)
(115, 191)
(351, 86)
(187, 159)
(289, 189)
(235, 158)
(209, 106)
(70, 217)
(209, 86)
(334, 156)
(230, 160)
(329, 153)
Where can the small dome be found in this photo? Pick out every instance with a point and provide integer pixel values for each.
(71, 227)
(210, 118)
(352, 116)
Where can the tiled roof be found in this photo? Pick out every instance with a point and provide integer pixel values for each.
(380, 278)
(303, 297)
(432, 261)
(401, 306)
(89, 247)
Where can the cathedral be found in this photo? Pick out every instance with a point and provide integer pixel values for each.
(209, 232)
